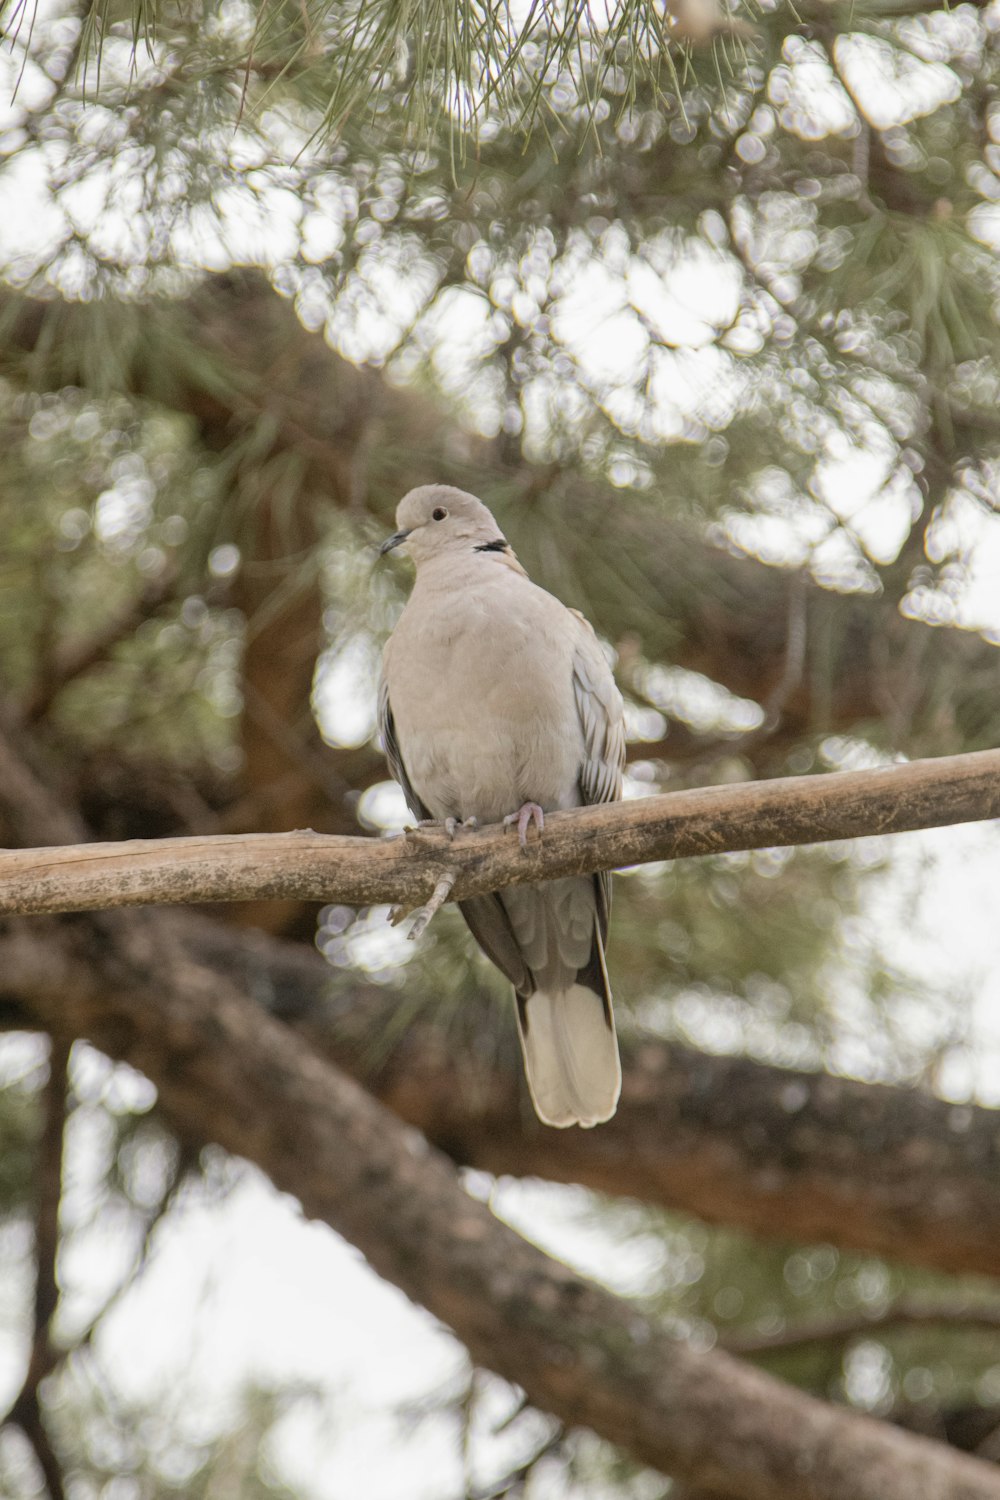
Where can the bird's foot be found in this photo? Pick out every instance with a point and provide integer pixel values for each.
(423, 914)
(450, 826)
(524, 817)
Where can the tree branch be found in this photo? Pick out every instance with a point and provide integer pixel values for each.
(780, 1153)
(405, 871)
(227, 1072)
(777, 1152)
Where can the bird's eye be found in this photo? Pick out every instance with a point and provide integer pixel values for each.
(438, 514)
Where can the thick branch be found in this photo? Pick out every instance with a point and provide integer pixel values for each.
(783, 1154)
(231, 1074)
(780, 1153)
(364, 872)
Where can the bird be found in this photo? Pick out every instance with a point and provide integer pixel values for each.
(497, 704)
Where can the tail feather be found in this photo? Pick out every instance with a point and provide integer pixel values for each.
(570, 1055)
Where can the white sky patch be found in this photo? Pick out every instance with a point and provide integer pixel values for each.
(250, 1290)
(846, 480)
(966, 530)
(385, 297)
(783, 529)
(238, 226)
(890, 85)
(979, 607)
(868, 489)
(322, 237)
(384, 806)
(984, 224)
(872, 493)
(696, 700)
(565, 1222)
(695, 383)
(683, 292)
(30, 222)
(687, 303)
(593, 321)
(885, 523)
(21, 74)
(810, 99)
(344, 692)
(949, 935)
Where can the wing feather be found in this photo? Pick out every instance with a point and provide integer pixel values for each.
(491, 927)
(393, 754)
(602, 720)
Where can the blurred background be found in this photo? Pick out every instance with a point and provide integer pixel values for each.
(704, 306)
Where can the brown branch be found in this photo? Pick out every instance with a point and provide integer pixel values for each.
(405, 871)
(780, 1153)
(776, 1152)
(227, 1072)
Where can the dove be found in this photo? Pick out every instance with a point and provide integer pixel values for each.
(497, 704)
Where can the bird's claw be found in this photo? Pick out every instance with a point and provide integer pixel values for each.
(524, 817)
(423, 914)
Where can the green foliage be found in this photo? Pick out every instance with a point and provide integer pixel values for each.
(103, 507)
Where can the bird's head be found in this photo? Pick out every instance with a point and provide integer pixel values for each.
(437, 518)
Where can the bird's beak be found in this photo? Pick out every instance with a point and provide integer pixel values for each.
(397, 538)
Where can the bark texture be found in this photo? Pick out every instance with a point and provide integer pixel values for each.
(780, 1153)
(783, 1154)
(364, 872)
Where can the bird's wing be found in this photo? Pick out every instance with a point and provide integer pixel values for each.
(540, 937)
(602, 720)
(567, 1026)
(387, 729)
(491, 927)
